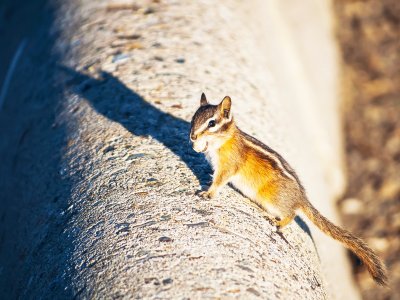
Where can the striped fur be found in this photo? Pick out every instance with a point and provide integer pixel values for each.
(271, 154)
(264, 176)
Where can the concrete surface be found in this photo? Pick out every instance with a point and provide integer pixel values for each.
(98, 180)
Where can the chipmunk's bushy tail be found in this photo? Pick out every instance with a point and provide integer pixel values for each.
(374, 264)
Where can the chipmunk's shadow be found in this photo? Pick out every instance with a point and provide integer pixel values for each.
(110, 97)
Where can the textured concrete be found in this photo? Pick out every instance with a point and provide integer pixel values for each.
(99, 180)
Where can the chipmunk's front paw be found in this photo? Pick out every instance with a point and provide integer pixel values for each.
(206, 194)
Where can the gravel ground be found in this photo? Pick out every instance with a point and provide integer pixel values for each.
(369, 35)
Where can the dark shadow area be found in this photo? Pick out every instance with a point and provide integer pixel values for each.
(110, 97)
(303, 226)
(18, 19)
(35, 243)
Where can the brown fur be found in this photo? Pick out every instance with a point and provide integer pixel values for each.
(264, 176)
(374, 264)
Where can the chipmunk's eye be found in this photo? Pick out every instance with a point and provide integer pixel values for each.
(211, 123)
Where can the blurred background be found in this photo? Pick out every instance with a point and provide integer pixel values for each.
(369, 39)
(368, 36)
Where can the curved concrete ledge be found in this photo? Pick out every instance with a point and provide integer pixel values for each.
(101, 203)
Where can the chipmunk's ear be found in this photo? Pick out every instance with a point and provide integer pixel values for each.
(225, 107)
(203, 100)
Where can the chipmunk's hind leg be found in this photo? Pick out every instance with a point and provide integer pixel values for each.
(277, 216)
(286, 220)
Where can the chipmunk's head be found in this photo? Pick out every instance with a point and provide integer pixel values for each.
(211, 124)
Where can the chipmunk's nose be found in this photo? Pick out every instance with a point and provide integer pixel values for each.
(193, 137)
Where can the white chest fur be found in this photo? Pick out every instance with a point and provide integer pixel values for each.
(212, 158)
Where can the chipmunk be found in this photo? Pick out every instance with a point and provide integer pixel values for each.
(262, 175)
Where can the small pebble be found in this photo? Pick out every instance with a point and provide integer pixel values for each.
(108, 149)
(167, 281)
(165, 239)
(120, 57)
(149, 10)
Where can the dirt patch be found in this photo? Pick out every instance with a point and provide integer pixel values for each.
(369, 36)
